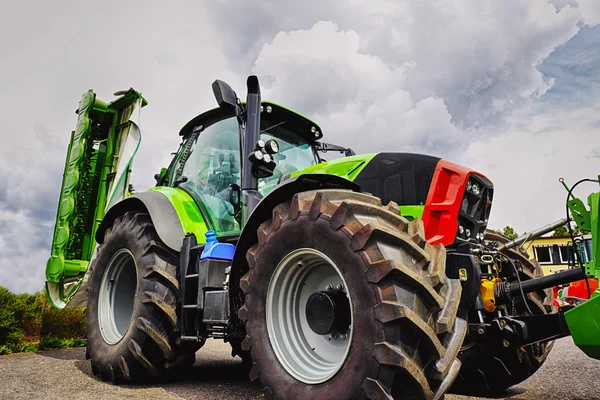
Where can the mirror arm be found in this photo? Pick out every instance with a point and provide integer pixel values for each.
(325, 147)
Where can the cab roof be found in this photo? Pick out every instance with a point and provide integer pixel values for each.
(304, 126)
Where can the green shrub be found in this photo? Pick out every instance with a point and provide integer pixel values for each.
(63, 324)
(27, 347)
(26, 319)
(14, 338)
(51, 342)
(8, 321)
(74, 342)
(32, 315)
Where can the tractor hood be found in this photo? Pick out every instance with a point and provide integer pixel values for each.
(347, 167)
(404, 178)
(422, 186)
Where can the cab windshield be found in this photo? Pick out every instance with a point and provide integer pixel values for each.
(214, 163)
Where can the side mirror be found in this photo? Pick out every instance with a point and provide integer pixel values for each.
(159, 177)
(224, 94)
(234, 197)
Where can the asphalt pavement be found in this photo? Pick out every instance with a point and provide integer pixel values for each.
(65, 374)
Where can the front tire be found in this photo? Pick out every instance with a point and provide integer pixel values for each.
(403, 335)
(131, 316)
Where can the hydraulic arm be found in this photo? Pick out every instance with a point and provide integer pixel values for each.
(581, 322)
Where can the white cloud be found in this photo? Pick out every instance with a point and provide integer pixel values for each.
(590, 11)
(24, 250)
(479, 56)
(455, 82)
(424, 73)
(431, 76)
(526, 163)
(51, 56)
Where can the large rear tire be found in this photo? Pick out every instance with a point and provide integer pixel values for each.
(131, 316)
(488, 371)
(402, 336)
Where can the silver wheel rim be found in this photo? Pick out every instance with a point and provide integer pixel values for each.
(116, 299)
(307, 356)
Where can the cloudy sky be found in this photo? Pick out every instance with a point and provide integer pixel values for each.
(510, 88)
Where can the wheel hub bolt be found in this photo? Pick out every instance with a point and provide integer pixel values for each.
(332, 336)
(340, 287)
(329, 287)
(506, 343)
(481, 331)
(343, 336)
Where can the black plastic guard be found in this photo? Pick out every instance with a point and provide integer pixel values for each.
(404, 178)
(458, 258)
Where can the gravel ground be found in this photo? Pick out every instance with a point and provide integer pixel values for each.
(65, 374)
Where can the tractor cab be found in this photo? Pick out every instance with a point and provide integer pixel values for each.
(209, 162)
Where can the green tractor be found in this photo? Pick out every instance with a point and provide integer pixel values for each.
(369, 276)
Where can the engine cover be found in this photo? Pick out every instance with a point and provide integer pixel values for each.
(455, 201)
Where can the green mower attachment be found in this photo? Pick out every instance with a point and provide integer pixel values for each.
(584, 320)
(95, 177)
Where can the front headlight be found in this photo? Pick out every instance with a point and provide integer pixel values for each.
(272, 146)
(259, 155)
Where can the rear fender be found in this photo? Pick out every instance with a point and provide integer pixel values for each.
(173, 213)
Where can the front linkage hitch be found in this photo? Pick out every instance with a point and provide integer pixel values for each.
(576, 321)
(521, 331)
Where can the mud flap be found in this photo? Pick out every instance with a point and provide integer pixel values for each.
(96, 176)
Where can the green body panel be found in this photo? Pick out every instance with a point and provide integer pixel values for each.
(347, 167)
(584, 323)
(350, 168)
(190, 216)
(593, 266)
(411, 212)
(589, 220)
(584, 320)
(95, 169)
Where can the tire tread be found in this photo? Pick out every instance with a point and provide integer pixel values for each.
(375, 232)
(153, 351)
